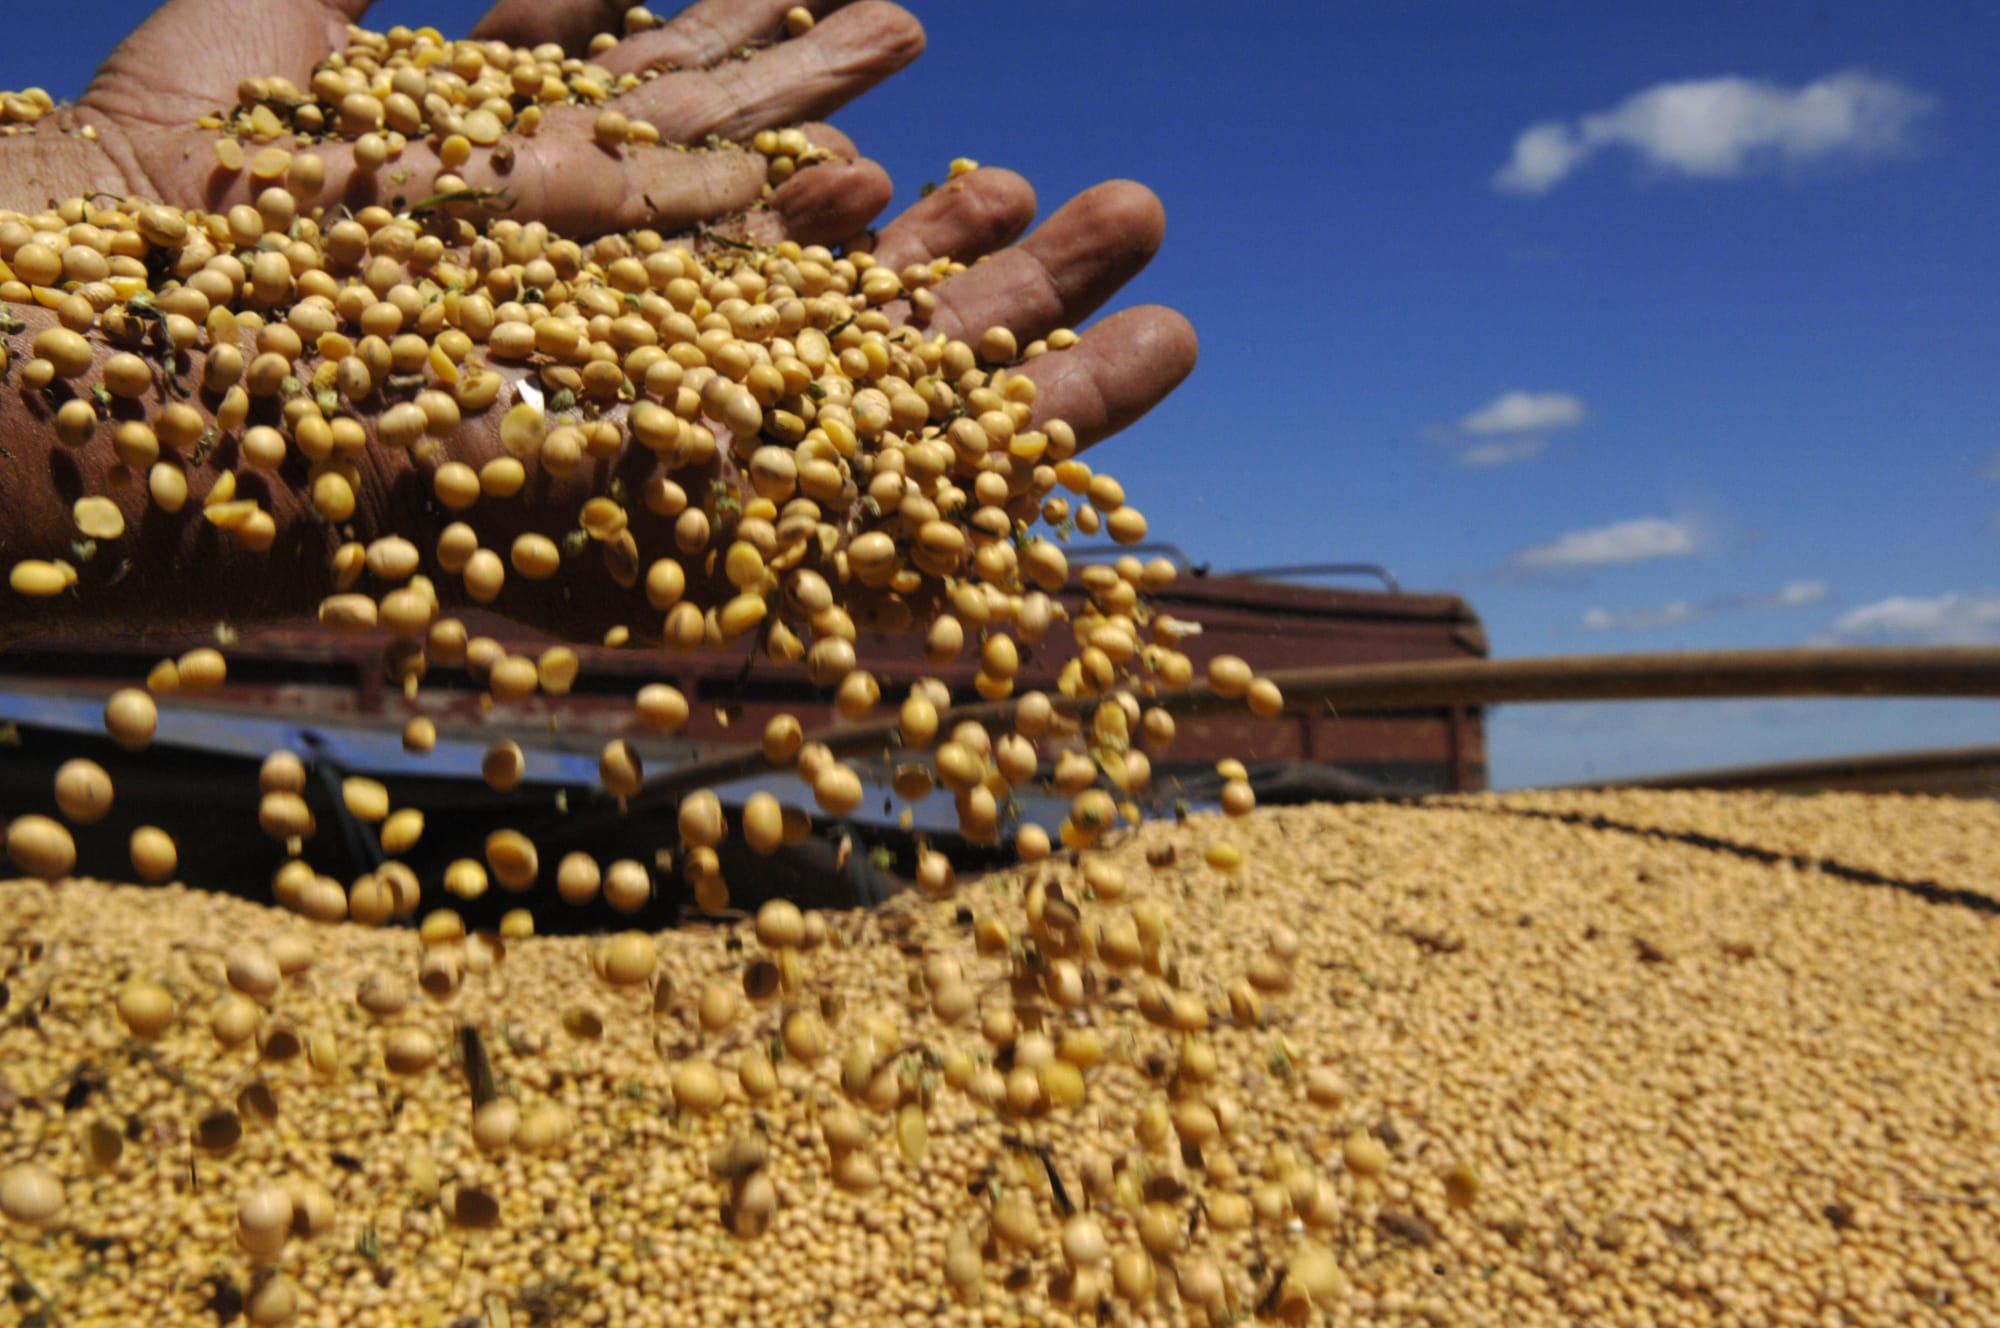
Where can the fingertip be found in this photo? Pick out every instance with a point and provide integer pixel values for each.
(827, 203)
(1125, 365)
(1127, 209)
(966, 218)
(1165, 335)
(1164, 342)
(825, 137)
(901, 37)
(1010, 192)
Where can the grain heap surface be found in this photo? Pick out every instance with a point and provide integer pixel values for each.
(1556, 1058)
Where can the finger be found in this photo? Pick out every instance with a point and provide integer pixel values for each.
(826, 137)
(578, 188)
(570, 23)
(828, 202)
(563, 179)
(977, 214)
(709, 32)
(824, 204)
(1117, 371)
(807, 79)
(699, 35)
(149, 78)
(1064, 272)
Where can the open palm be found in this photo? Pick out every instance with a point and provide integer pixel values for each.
(188, 58)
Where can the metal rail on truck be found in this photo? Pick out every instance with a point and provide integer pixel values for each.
(1284, 572)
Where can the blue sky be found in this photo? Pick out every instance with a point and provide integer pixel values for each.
(1707, 363)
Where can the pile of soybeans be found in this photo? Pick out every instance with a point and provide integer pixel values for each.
(1566, 1058)
(1666, 1058)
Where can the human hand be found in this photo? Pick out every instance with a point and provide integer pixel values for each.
(1056, 277)
(1073, 264)
(188, 59)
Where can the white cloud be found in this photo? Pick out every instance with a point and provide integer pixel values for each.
(1720, 127)
(1637, 540)
(1670, 614)
(1485, 456)
(1992, 471)
(1949, 619)
(1791, 595)
(1514, 413)
(1543, 154)
(1518, 412)
(1795, 594)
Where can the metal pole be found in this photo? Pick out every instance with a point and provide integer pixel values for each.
(1832, 671)
(1827, 671)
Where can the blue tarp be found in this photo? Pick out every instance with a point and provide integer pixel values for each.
(356, 749)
